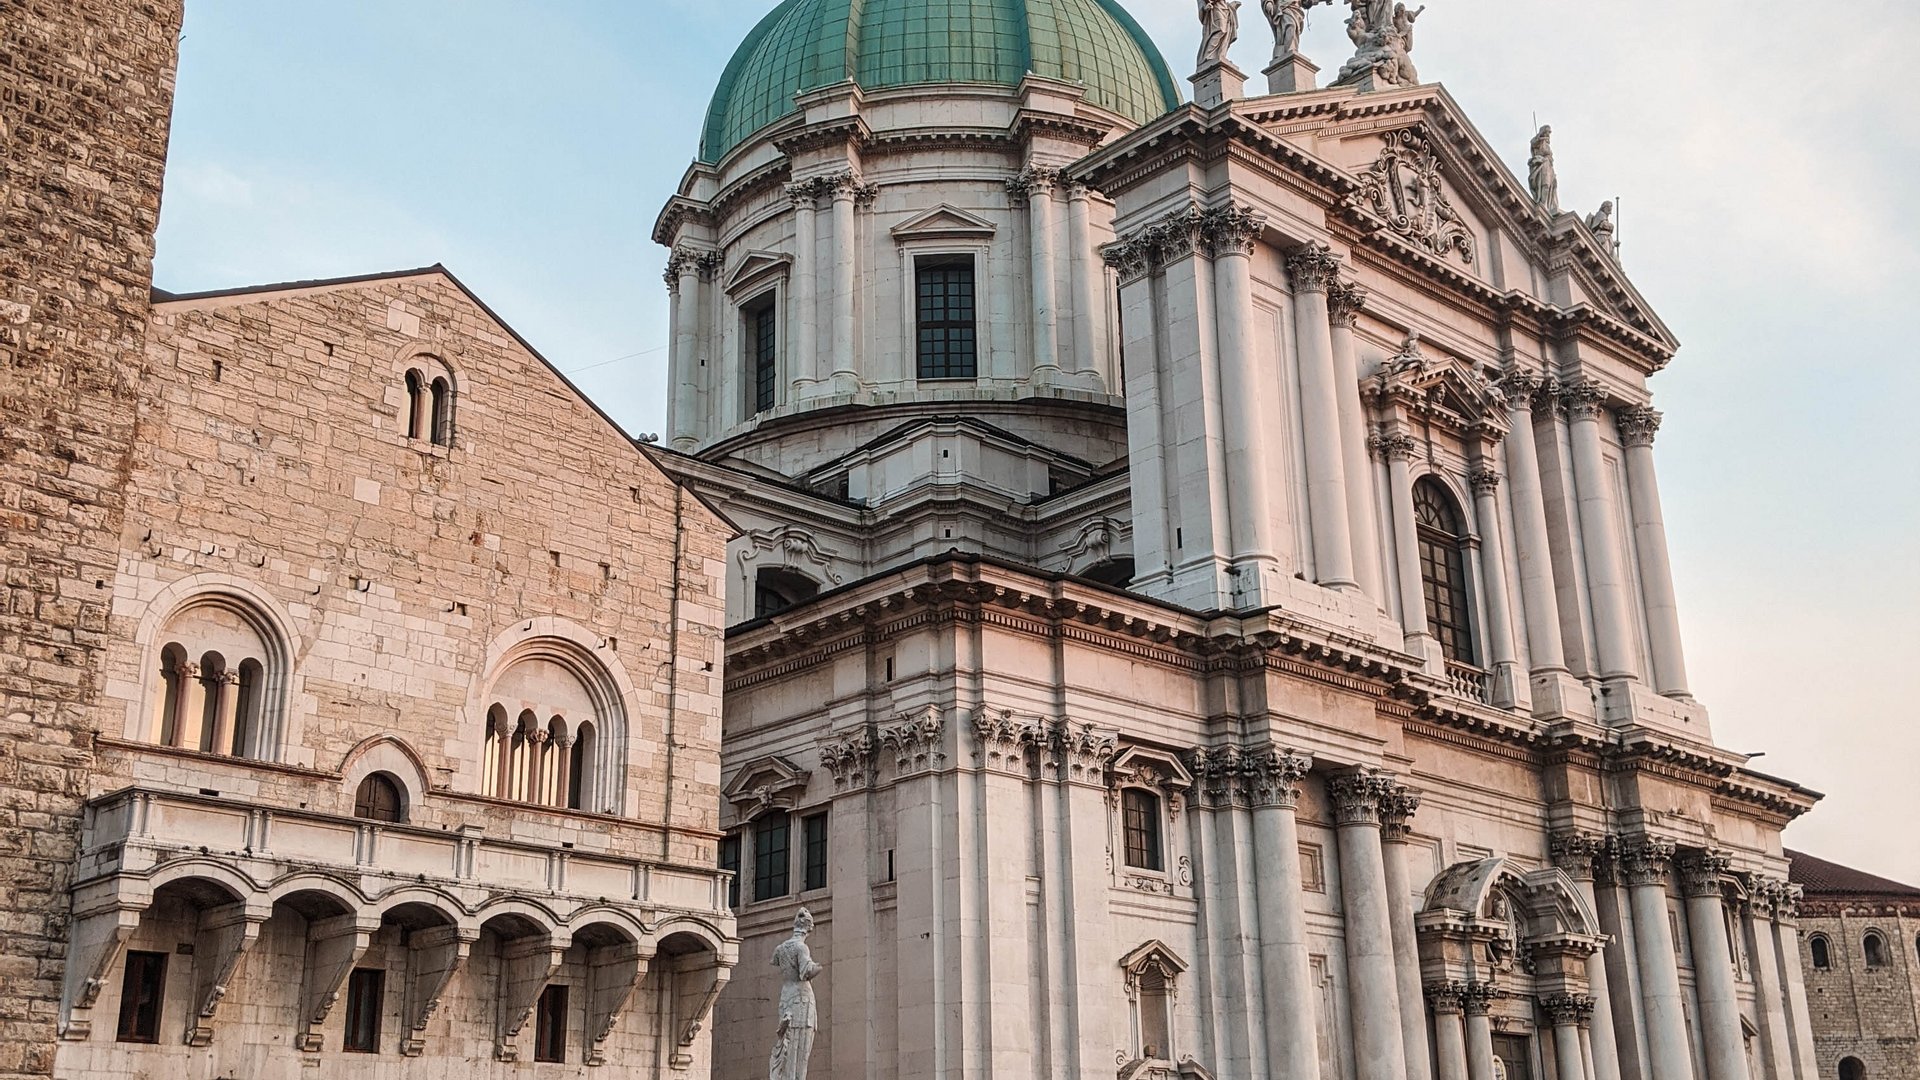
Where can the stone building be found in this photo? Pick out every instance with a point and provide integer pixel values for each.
(1861, 953)
(362, 680)
(1201, 603)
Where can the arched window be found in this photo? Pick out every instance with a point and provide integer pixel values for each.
(578, 781)
(776, 589)
(380, 799)
(553, 720)
(442, 391)
(418, 408)
(1820, 952)
(1443, 569)
(222, 672)
(1875, 948)
(1852, 1069)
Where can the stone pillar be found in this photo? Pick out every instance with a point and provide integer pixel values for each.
(1345, 300)
(1399, 449)
(1379, 1048)
(1313, 270)
(1396, 814)
(1035, 186)
(1233, 910)
(1449, 1032)
(1644, 862)
(1232, 234)
(850, 758)
(1286, 975)
(1568, 1012)
(1786, 939)
(1714, 984)
(1533, 551)
(226, 708)
(1637, 429)
(1606, 564)
(846, 278)
(1089, 319)
(190, 716)
(1502, 656)
(562, 770)
(503, 757)
(1476, 1000)
(1769, 992)
(683, 281)
(803, 330)
(1575, 853)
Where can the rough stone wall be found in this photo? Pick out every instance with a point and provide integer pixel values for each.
(1868, 1013)
(86, 91)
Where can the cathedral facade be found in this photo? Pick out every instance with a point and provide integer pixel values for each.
(1201, 605)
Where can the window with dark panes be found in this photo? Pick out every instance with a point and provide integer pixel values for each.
(771, 854)
(813, 829)
(1443, 569)
(763, 342)
(379, 799)
(947, 339)
(550, 1025)
(365, 989)
(1140, 821)
(141, 990)
(730, 860)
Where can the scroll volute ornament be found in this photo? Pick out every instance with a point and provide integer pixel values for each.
(1403, 188)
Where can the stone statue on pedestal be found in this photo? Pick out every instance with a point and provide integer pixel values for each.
(1289, 21)
(1219, 29)
(1600, 224)
(793, 1040)
(1382, 36)
(1541, 179)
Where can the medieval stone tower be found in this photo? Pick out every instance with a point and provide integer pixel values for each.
(86, 92)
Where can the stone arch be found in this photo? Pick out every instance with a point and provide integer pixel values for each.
(440, 901)
(204, 872)
(308, 883)
(709, 935)
(1483, 918)
(527, 913)
(254, 609)
(388, 754)
(605, 690)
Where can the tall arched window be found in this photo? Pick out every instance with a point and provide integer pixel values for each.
(1820, 952)
(1443, 569)
(550, 727)
(222, 675)
(379, 799)
(418, 409)
(442, 412)
(1875, 948)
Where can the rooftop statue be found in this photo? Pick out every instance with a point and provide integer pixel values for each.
(1541, 178)
(1382, 36)
(1289, 21)
(1219, 29)
(793, 1039)
(1600, 224)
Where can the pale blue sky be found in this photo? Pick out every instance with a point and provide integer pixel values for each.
(1766, 159)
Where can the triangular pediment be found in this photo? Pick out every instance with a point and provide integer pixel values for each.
(768, 783)
(756, 267)
(944, 222)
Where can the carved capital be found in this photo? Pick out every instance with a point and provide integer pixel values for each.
(1180, 235)
(1272, 776)
(1345, 301)
(1357, 796)
(1485, 480)
(1397, 808)
(1578, 852)
(1583, 400)
(1233, 230)
(1313, 268)
(1701, 872)
(1477, 998)
(1389, 446)
(1032, 181)
(915, 742)
(1447, 999)
(1002, 741)
(1644, 860)
(1079, 752)
(1567, 1009)
(1638, 425)
(1131, 259)
(849, 759)
(1786, 903)
(804, 194)
(1217, 772)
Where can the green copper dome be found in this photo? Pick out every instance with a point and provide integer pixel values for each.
(807, 44)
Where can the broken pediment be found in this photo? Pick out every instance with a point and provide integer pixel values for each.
(944, 222)
(768, 783)
(756, 267)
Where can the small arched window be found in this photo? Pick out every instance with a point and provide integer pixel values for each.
(442, 393)
(1875, 948)
(222, 669)
(418, 409)
(1443, 569)
(1851, 1068)
(1820, 952)
(380, 799)
(776, 589)
(552, 735)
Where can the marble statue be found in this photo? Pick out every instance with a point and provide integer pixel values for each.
(1219, 29)
(1382, 36)
(1600, 224)
(793, 1040)
(1289, 21)
(1541, 178)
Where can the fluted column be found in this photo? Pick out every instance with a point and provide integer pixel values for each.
(846, 275)
(1503, 658)
(802, 302)
(1379, 1048)
(1786, 939)
(1088, 276)
(1533, 551)
(1286, 973)
(1449, 1031)
(1313, 270)
(1567, 1012)
(1638, 426)
(1575, 853)
(1606, 564)
(1477, 1000)
(1345, 299)
(683, 281)
(1232, 233)
(1399, 449)
(1034, 185)
(1721, 1034)
(1397, 808)
(226, 708)
(1769, 993)
(1644, 862)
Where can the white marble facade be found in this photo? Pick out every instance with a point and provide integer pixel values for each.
(1266, 664)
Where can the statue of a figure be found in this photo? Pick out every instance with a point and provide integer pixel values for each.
(1600, 224)
(1219, 29)
(793, 1040)
(1289, 20)
(1541, 178)
(1382, 36)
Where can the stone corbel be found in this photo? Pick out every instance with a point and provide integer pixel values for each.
(614, 973)
(333, 947)
(99, 939)
(220, 943)
(434, 955)
(527, 966)
(687, 1025)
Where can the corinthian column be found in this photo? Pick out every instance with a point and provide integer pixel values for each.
(1313, 270)
(1345, 299)
(847, 190)
(1725, 1042)
(1449, 1032)
(1533, 551)
(1567, 1012)
(1644, 864)
(1397, 808)
(1606, 566)
(683, 281)
(1770, 997)
(1477, 1000)
(1637, 428)
(1286, 977)
(803, 303)
(1786, 939)
(1575, 853)
(1034, 185)
(1232, 234)
(1379, 1048)
(1493, 572)
(1399, 450)
(1088, 310)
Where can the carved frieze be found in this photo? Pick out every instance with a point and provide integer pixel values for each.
(1404, 189)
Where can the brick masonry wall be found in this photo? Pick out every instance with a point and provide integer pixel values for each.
(86, 90)
(1869, 1013)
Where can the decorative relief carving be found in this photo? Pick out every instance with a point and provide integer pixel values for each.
(1701, 872)
(1031, 181)
(1184, 233)
(794, 548)
(1477, 998)
(1002, 741)
(1392, 446)
(849, 759)
(1404, 189)
(1079, 752)
(1217, 770)
(1313, 268)
(1233, 230)
(1583, 400)
(1644, 860)
(1447, 999)
(687, 260)
(1272, 776)
(1484, 479)
(1522, 388)
(1141, 766)
(1397, 807)
(1577, 852)
(1345, 301)
(915, 741)
(1638, 424)
(1357, 796)
(1566, 1009)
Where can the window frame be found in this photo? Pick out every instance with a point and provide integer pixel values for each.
(922, 261)
(1154, 846)
(380, 779)
(550, 1024)
(772, 870)
(363, 1010)
(813, 851)
(1820, 952)
(151, 969)
(1452, 623)
(760, 358)
(732, 845)
(1870, 942)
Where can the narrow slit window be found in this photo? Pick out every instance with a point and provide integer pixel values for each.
(948, 340)
(771, 856)
(366, 988)
(763, 345)
(814, 836)
(142, 989)
(730, 860)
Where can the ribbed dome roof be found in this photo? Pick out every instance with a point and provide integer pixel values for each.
(807, 44)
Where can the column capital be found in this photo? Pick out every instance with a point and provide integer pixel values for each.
(1638, 424)
(1392, 445)
(804, 194)
(1357, 796)
(1522, 388)
(1272, 776)
(1701, 872)
(1477, 998)
(187, 671)
(1763, 894)
(1485, 479)
(1447, 999)
(1179, 235)
(1644, 860)
(1077, 752)
(1577, 852)
(1397, 807)
(1031, 181)
(848, 185)
(1345, 301)
(1567, 1009)
(1786, 903)
(1232, 230)
(1313, 268)
(1131, 259)
(1585, 399)
(1078, 191)
(1001, 741)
